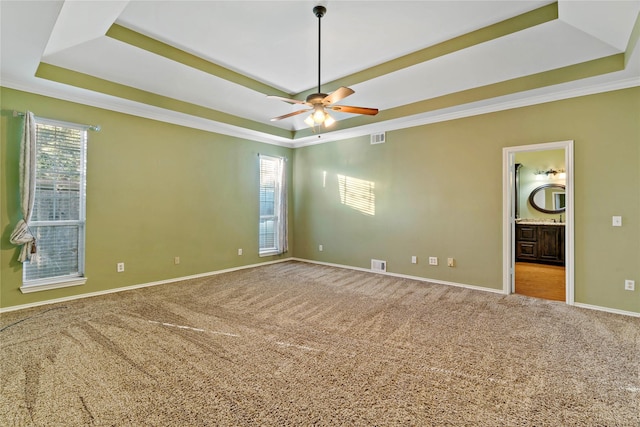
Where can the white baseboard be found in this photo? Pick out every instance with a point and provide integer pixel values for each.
(142, 285)
(243, 267)
(607, 309)
(462, 285)
(403, 276)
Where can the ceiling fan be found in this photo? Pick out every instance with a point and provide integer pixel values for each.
(320, 102)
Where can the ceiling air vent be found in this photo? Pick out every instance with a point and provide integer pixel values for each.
(378, 138)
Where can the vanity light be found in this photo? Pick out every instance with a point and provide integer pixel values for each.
(560, 172)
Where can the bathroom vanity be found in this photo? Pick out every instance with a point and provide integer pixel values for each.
(540, 242)
(541, 239)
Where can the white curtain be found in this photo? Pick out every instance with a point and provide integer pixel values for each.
(283, 232)
(21, 234)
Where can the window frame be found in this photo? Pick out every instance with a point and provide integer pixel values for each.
(276, 216)
(76, 278)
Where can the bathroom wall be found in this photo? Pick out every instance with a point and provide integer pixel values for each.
(533, 161)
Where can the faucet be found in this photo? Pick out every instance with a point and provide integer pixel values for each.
(560, 217)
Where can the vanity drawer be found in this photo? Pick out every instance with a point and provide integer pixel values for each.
(528, 233)
(527, 251)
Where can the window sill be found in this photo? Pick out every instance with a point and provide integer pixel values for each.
(46, 286)
(269, 253)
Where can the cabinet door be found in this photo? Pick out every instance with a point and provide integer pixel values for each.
(561, 245)
(551, 244)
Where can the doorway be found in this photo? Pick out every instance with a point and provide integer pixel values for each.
(542, 261)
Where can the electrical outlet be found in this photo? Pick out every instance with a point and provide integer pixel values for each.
(120, 267)
(433, 260)
(616, 221)
(414, 259)
(629, 285)
(320, 248)
(451, 262)
(240, 251)
(176, 260)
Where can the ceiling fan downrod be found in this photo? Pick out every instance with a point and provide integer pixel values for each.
(319, 11)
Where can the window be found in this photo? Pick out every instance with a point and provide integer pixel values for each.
(58, 217)
(271, 198)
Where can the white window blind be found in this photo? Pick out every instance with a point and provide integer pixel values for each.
(58, 218)
(269, 204)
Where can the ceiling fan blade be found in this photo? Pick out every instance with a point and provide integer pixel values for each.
(295, 113)
(337, 95)
(289, 100)
(354, 110)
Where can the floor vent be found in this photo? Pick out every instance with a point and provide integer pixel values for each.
(378, 265)
(378, 138)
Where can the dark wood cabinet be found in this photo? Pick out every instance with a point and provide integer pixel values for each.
(540, 243)
(526, 243)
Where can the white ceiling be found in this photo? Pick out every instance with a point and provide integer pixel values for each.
(275, 44)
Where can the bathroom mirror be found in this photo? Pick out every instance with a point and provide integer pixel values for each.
(549, 198)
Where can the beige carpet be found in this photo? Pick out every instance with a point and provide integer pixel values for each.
(298, 344)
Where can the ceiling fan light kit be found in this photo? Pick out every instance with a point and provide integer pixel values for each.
(319, 102)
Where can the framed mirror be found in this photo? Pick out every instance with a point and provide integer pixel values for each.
(549, 198)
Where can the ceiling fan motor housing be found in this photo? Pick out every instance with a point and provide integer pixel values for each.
(316, 98)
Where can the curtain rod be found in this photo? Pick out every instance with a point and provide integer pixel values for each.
(95, 128)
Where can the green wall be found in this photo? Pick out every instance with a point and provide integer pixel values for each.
(154, 191)
(438, 192)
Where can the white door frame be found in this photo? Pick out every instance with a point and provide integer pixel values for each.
(508, 214)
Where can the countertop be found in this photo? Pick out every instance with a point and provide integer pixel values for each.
(538, 222)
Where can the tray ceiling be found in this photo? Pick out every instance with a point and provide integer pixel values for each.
(210, 64)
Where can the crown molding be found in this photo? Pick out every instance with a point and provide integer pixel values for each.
(493, 105)
(507, 102)
(112, 103)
